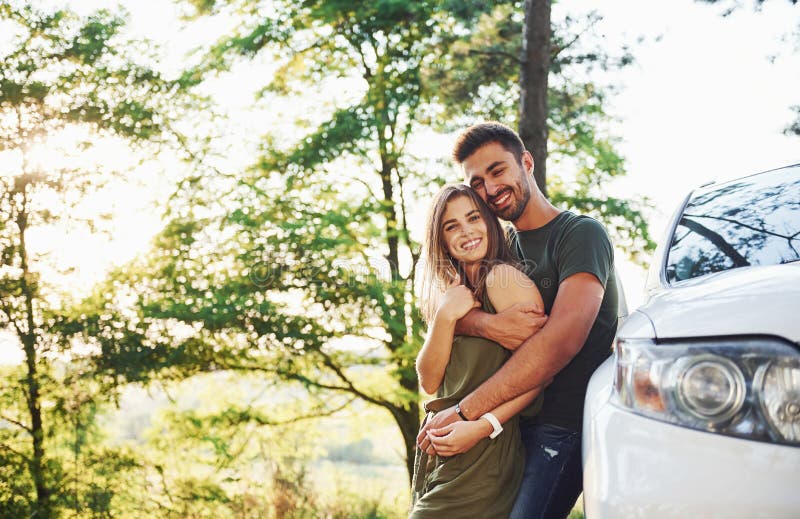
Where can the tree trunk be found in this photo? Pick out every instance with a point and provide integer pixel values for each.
(407, 419)
(535, 66)
(28, 338)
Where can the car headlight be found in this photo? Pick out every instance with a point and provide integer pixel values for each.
(745, 388)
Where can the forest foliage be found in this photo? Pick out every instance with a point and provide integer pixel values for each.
(276, 293)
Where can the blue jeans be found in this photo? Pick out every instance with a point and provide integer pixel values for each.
(553, 477)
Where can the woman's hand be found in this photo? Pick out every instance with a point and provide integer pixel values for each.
(459, 437)
(457, 301)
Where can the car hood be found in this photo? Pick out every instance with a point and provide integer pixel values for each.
(742, 301)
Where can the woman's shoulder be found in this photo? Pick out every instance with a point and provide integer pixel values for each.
(506, 285)
(504, 275)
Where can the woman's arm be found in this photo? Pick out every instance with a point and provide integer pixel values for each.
(506, 286)
(519, 307)
(435, 353)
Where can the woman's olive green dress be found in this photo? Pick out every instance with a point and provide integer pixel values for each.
(483, 481)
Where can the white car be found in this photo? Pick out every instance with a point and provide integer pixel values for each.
(697, 413)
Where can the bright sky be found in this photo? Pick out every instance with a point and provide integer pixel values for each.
(702, 102)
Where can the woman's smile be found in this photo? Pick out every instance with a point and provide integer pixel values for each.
(471, 244)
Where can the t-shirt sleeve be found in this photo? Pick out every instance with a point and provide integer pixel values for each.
(585, 247)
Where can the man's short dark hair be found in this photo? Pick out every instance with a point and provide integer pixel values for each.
(483, 133)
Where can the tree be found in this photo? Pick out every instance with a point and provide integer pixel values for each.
(303, 266)
(61, 75)
(534, 73)
(294, 232)
(505, 68)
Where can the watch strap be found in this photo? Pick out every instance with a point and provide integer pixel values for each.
(497, 428)
(460, 413)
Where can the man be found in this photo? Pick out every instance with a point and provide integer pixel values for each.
(571, 260)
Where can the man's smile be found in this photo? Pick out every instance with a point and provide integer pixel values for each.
(501, 199)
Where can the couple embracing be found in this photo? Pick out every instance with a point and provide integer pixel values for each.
(517, 323)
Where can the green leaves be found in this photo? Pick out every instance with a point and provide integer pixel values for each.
(93, 39)
(348, 132)
(61, 76)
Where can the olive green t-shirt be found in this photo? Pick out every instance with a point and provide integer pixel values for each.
(567, 245)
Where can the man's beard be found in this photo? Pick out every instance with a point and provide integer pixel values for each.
(513, 212)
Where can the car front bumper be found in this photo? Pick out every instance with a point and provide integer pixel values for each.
(637, 467)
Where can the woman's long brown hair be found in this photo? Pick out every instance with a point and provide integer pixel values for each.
(440, 268)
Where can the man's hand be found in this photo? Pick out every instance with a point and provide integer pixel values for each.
(441, 419)
(459, 437)
(512, 326)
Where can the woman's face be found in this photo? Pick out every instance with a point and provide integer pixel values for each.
(464, 231)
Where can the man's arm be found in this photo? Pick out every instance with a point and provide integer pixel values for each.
(461, 436)
(542, 356)
(539, 358)
(505, 287)
(508, 328)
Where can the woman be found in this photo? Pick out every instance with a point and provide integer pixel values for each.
(469, 265)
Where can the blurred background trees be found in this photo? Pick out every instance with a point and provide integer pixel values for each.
(281, 287)
(65, 81)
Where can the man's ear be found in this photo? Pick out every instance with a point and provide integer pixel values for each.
(527, 162)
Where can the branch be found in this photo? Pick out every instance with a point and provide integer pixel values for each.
(403, 220)
(6, 310)
(18, 424)
(328, 361)
(18, 453)
(260, 420)
(291, 376)
(194, 157)
(557, 50)
(742, 224)
(716, 239)
(367, 71)
(369, 188)
(347, 388)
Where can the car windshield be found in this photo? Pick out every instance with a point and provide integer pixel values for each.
(752, 221)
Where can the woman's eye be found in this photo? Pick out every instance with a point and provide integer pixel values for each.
(474, 217)
(449, 228)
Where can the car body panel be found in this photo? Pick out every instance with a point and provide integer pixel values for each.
(637, 326)
(639, 467)
(759, 297)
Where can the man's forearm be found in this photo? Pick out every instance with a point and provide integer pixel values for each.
(542, 356)
(527, 369)
(476, 324)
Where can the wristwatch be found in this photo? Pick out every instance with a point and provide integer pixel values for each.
(497, 428)
(459, 413)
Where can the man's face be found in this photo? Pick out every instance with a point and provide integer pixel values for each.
(493, 172)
